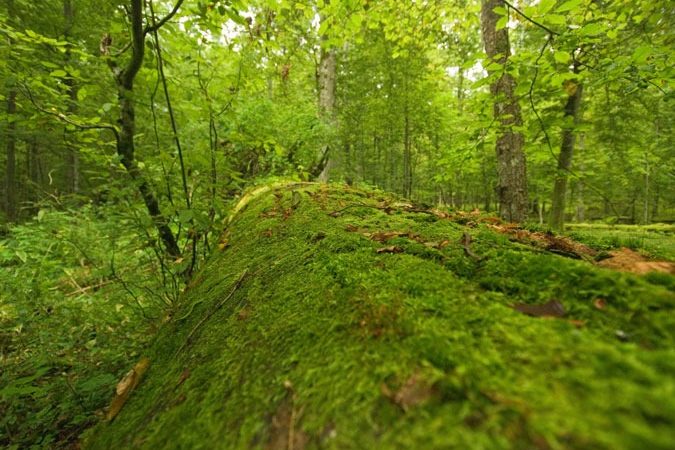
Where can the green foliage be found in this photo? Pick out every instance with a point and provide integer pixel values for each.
(77, 292)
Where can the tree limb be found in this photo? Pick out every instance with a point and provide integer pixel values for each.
(27, 92)
(157, 25)
(532, 21)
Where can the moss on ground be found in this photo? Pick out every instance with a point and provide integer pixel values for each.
(334, 338)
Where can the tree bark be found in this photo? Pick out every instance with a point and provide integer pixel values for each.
(326, 81)
(511, 165)
(407, 155)
(11, 191)
(72, 156)
(572, 112)
(124, 79)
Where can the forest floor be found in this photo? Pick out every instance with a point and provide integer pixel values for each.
(331, 317)
(339, 318)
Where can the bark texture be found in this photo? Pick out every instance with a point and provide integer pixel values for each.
(124, 79)
(572, 116)
(511, 165)
(72, 155)
(326, 83)
(11, 191)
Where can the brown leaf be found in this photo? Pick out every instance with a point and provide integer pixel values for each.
(578, 323)
(351, 228)
(552, 308)
(600, 303)
(284, 434)
(185, 374)
(126, 386)
(390, 249)
(415, 391)
(384, 236)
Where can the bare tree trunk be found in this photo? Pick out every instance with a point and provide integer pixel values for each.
(11, 200)
(72, 156)
(572, 110)
(511, 166)
(326, 83)
(124, 78)
(407, 156)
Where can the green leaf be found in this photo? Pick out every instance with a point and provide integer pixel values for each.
(561, 57)
(59, 73)
(569, 5)
(592, 29)
(555, 19)
(21, 255)
(642, 54)
(501, 23)
(545, 6)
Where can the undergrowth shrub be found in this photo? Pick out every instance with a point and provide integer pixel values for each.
(78, 290)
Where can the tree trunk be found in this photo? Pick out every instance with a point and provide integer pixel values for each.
(407, 156)
(511, 166)
(326, 79)
(11, 201)
(572, 110)
(72, 156)
(125, 143)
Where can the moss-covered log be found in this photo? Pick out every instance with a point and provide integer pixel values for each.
(334, 318)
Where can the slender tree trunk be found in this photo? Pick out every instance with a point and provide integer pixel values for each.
(11, 191)
(572, 110)
(407, 155)
(326, 80)
(124, 79)
(72, 156)
(11, 188)
(511, 166)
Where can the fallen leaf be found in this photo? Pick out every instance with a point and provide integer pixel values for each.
(390, 249)
(185, 374)
(284, 434)
(578, 323)
(351, 228)
(384, 236)
(126, 386)
(552, 308)
(415, 391)
(600, 303)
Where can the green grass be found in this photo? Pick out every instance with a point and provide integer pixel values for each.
(332, 344)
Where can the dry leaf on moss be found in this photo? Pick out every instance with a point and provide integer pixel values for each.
(126, 386)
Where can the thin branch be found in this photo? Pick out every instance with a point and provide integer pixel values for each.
(27, 92)
(532, 21)
(157, 25)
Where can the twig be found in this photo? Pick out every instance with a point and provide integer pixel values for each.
(212, 312)
(466, 242)
(66, 119)
(532, 21)
(157, 25)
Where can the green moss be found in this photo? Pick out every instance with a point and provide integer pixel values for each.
(344, 347)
